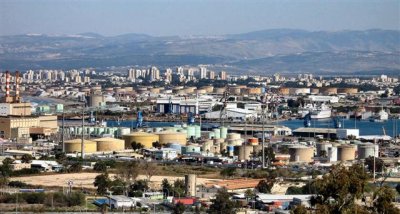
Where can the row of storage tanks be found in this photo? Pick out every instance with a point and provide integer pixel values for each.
(105, 144)
(98, 131)
(333, 151)
(177, 134)
(322, 90)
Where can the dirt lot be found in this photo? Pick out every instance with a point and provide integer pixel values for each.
(85, 180)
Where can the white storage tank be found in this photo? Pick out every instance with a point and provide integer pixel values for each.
(224, 132)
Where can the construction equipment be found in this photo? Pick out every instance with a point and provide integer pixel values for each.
(191, 118)
(139, 119)
(222, 113)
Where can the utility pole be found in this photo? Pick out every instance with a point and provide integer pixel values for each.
(263, 135)
(83, 132)
(62, 133)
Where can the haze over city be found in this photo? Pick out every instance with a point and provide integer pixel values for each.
(166, 17)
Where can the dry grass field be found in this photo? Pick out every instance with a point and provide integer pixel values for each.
(86, 179)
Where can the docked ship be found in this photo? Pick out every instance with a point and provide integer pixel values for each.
(317, 112)
(381, 116)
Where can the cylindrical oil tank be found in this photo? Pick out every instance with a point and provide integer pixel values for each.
(332, 154)
(208, 89)
(244, 152)
(314, 90)
(322, 147)
(109, 90)
(252, 141)
(190, 185)
(235, 142)
(75, 146)
(191, 131)
(171, 137)
(201, 91)
(96, 100)
(366, 150)
(197, 131)
(347, 90)
(224, 132)
(284, 91)
(233, 136)
(346, 152)
(219, 140)
(328, 90)
(211, 135)
(128, 89)
(109, 144)
(217, 133)
(96, 88)
(219, 90)
(223, 147)
(144, 138)
(119, 90)
(216, 148)
(155, 90)
(206, 145)
(301, 154)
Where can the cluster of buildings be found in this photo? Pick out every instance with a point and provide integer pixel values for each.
(180, 74)
(220, 126)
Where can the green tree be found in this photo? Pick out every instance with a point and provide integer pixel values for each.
(379, 164)
(299, 209)
(26, 158)
(179, 208)
(136, 146)
(383, 201)
(179, 188)
(8, 161)
(137, 188)
(269, 155)
(166, 187)
(60, 156)
(156, 144)
(118, 186)
(338, 190)
(222, 203)
(100, 166)
(265, 186)
(75, 199)
(102, 182)
(75, 167)
(149, 169)
(128, 171)
(249, 194)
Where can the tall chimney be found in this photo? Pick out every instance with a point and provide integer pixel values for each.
(17, 98)
(7, 84)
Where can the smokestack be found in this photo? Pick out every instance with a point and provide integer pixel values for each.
(7, 84)
(17, 98)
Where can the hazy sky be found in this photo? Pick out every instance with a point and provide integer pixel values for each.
(193, 17)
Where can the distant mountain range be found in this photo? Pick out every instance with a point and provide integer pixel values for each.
(261, 52)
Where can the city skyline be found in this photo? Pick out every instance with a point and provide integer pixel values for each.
(168, 18)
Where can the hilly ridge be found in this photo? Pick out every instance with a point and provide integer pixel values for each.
(279, 50)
